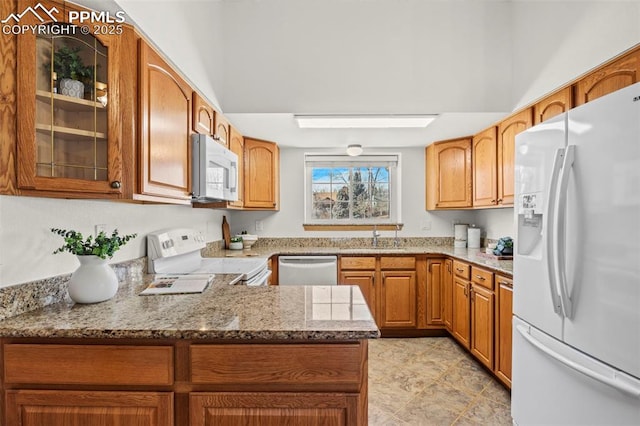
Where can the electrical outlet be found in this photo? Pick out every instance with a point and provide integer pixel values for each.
(259, 225)
(425, 225)
(100, 228)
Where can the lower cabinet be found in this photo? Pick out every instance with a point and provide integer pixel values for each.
(244, 408)
(182, 383)
(482, 305)
(398, 299)
(447, 294)
(361, 271)
(435, 291)
(503, 328)
(460, 325)
(64, 408)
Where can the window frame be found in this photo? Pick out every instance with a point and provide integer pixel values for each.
(395, 198)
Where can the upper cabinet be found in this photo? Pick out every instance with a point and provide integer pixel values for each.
(623, 72)
(222, 131)
(507, 131)
(203, 116)
(261, 174)
(236, 145)
(164, 132)
(69, 126)
(554, 104)
(485, 168)
(448, 174)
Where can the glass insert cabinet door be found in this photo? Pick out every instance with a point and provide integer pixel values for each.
(67, 135)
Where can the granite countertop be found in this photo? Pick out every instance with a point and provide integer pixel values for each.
(464, 254)
(222, 311)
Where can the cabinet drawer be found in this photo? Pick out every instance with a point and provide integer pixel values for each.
(501, 280)
(482, 277)
(461, 269)
(278, 367)
(353, 262)
(88, 364)
(404, 262)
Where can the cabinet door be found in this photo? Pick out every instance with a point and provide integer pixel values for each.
(270, 409)
(88, 408)
(554, 104)
(618, 74)
(222, 130)
(366, 280)
(435, 275)
(236, 145)
(203, 116)
(485, 168)
(482, 305)
(460, 323)
(398, 299)
(165, 128)
(448, 174)
(504, 313)
(68, 131)
(507, 131)
(261, 174)
(447, 294)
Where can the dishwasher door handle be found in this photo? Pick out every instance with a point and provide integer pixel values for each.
(307, 259)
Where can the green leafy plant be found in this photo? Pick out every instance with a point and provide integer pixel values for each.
(236, 239)
(504, 246)
(102, 246)
(67, 63)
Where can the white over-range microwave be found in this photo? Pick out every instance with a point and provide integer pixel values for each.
(214, 171)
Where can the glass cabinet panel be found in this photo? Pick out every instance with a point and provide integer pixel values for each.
(71, 107)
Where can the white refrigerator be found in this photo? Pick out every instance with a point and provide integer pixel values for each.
(576, 324)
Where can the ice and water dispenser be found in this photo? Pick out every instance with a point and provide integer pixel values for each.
(530, 222)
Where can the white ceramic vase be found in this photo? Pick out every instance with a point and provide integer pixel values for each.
(73, 88)
(94, 281)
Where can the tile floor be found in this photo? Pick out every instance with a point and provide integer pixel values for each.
(431, 381)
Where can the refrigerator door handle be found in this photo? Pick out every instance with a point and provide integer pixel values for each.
(551, 244)
(561, 218)
(626, 388)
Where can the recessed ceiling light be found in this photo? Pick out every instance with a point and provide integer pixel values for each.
(363, 121)
(354, 150)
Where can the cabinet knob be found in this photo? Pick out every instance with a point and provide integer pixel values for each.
(499, 200)
(493, 201)
(116, 184)
(481, 278)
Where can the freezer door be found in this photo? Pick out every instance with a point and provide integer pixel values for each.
(602, 254)
(553, 384)
(538, 156)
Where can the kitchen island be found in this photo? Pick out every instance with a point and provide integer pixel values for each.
(231, 355)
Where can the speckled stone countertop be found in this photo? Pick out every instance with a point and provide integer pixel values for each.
(464, 254)
(222, 311)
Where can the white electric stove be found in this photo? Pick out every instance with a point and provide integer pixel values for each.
(177, 251)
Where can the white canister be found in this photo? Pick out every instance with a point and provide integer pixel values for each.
(473, 238)
(460, 235)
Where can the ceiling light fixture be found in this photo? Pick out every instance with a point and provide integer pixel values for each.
(354, 150)
(369, 121)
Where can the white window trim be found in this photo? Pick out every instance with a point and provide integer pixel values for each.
(395, 202)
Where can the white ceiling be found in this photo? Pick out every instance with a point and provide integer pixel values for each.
(471, 61)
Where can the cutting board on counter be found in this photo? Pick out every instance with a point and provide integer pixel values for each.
(226, 233)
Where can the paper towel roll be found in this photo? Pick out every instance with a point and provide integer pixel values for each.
(473, 238)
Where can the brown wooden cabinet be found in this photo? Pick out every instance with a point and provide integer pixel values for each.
(507, 131)
(222, 130)
(485, 168)
(100, 382)
(482, 315)
(165, 130)
(261, 174)
(616, 75)
(69, 132)
(398, 292)
(244, 408)
(556, 103)
(203, 116)
(361, 271)
(435, 291)
(503, 328)
(460, 324)
(236, 145)
(447, 294)
(448, 174)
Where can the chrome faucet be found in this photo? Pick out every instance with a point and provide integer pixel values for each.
(376, 234)
(396, 241)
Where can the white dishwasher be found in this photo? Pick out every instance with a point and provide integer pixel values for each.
(307, 270)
